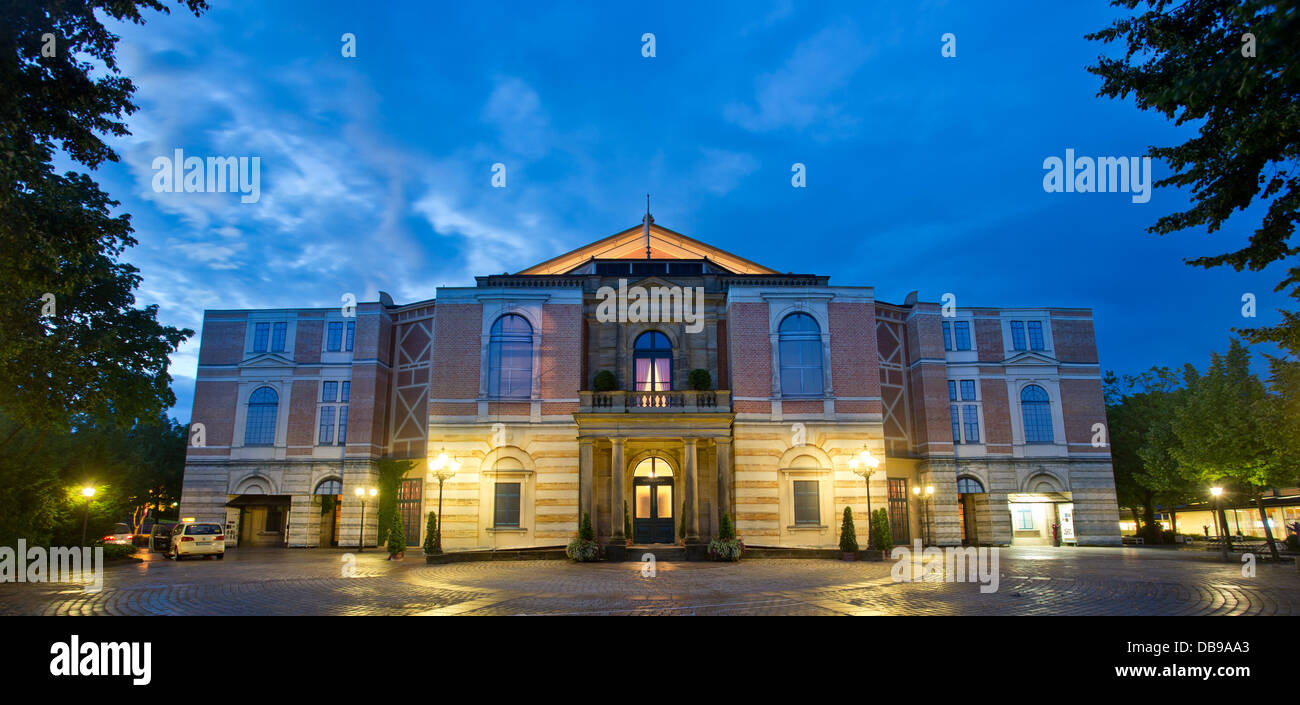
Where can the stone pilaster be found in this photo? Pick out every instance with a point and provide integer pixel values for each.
(724, 478)
(692, 491)
(586, 484)
(616, 499)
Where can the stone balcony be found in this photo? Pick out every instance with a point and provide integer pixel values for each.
(684, 401)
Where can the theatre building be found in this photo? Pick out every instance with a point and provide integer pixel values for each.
(651, 373)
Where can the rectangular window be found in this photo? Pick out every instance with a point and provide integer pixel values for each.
(343, 426)
(347, 391)
(274, 519)
(807, 507)
(261, 331)
(971, 419)
(334, 341)
(352, 330)
(1025, 519)
(329, 391)
(1035, 335)
(952, 390)
(277, 336)
(409, 496)
(968, 390)
(1018, 335)
(947, 335)
(326, 436)
(961, 335)
(956, 424)
(506, 504)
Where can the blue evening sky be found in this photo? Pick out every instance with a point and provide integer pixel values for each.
(923, 173)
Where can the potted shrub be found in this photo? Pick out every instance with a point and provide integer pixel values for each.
(848, 537)
(880, 534)
(725, 547)
(604, 382)
(700, 380)
(430, 529)
(584, 549)
(396, 539)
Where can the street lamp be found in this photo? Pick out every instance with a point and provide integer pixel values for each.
(1220, 519)
(443, 468)
(864, 464)
(86, 492)
(925, 507)
(361, 535)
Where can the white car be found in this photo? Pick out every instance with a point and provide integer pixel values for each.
(195, 539)
(121, 536)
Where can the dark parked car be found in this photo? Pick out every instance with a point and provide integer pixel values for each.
(160, 537)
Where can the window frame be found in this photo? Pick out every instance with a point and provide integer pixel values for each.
(262, 407)
(1042, 409)
(808, 341)
(497, 485)
(816, 502)
(497, 340)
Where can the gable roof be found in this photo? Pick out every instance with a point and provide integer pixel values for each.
(630, 244)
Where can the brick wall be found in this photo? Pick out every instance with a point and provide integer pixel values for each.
(560, 376)
(1082, 405)
(1074, 339)
(988, 336)
(750, 356)
(214, 407)
(308, 340)
(855, 363)
(456, 338)
(222, 340)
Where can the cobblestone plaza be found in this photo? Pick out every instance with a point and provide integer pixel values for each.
(1033, 581)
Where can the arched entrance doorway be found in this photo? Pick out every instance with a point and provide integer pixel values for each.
(652, 502)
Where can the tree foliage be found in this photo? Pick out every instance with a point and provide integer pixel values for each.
(1186, 61)
(95, 353)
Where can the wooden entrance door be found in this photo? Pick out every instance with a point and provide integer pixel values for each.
(652, 502)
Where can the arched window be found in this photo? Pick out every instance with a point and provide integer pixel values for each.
(1036, 409)
(969, 485)
(329, 486)
(801, 356)
(259, 428)
(510, 358)
(653, 357)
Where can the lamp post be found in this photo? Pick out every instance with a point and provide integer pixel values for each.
(443, 468)
(86, 492)
(1219, 518)
(925, 508)
(361, 534)
(864, 464)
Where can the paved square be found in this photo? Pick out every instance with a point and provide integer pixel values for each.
(1034, 581)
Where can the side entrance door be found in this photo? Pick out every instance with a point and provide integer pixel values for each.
(652, 518)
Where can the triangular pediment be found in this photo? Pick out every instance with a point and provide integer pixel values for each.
(665, 244)
(1029, 358)
(267, 360)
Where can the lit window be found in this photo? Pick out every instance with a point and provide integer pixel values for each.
(1025, 519)
(652, 359)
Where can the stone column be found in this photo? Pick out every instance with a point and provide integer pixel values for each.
(586, 494)
(692, 492)
(724, 478)
(616, 490)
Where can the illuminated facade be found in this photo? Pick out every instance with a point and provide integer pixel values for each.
(574, 386)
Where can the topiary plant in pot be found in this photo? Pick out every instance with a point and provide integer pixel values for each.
(604, 381)
(700, 380)
(725, 547)
(430, 530)
(880, 533)
(584, 549)
(848, 537)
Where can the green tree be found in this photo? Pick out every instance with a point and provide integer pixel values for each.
(396, 536)
(391, 472)
(1222, 429)
(848, 534)
(95, 353)
(1187, 61)
(430, 530)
